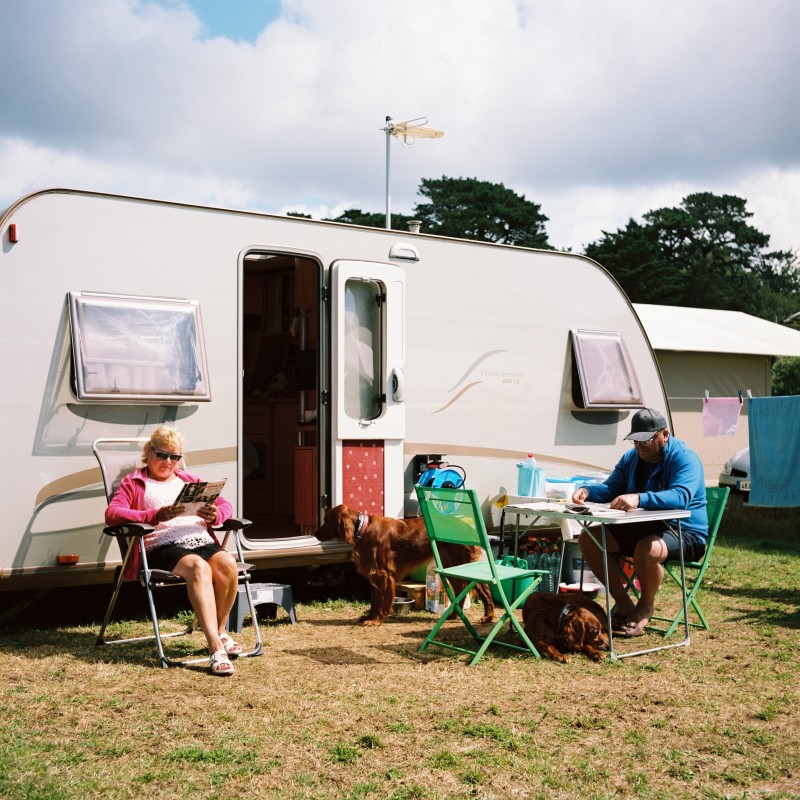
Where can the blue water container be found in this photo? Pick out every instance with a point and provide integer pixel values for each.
(531, 479)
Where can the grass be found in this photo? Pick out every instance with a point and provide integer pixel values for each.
(334, 710)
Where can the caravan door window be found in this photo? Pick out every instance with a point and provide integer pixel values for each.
(137, 349)
(603, 374)
(363, 322)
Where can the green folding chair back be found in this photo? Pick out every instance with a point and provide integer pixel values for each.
(717, 498)
(453, 516)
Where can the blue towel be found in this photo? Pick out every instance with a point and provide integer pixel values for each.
(775, 451)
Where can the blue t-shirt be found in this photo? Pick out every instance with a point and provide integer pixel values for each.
(677, 481)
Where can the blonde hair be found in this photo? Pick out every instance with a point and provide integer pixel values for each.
(163, 436)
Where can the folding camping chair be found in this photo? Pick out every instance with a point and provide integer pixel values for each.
(716, 498)
(454, 516)
(117, 458)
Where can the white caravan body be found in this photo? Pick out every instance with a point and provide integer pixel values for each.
(326, 363)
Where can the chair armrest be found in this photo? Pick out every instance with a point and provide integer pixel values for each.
(129, 529)
(233, 524)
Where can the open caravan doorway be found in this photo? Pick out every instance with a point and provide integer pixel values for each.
(280, 395)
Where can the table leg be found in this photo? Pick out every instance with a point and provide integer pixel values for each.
(685, 642)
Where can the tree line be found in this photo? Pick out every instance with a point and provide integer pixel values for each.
(704, 253)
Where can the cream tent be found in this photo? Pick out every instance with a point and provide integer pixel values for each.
(720, 354)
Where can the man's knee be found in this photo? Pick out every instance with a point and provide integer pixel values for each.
(652, 548)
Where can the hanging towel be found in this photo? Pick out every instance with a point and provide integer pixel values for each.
(774, 451)
(721, 416)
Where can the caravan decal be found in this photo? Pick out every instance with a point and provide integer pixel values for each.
(468, 373)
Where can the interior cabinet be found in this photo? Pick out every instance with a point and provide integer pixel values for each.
(268, 491)
(306, 482)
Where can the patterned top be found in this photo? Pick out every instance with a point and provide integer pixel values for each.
(190, 532)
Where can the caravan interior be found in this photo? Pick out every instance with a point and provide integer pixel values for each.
(280, 431)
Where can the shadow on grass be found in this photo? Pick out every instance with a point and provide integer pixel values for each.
(773, 604)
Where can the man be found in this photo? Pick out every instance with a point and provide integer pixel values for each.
(658, 473)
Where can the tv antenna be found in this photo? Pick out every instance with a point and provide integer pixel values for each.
(407, 132)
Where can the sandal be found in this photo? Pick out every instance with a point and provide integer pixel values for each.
(221, 664)
(232, 649)
(618, 620)
(631, 630)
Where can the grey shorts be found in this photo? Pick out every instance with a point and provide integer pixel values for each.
(167, 556)
(628, 536)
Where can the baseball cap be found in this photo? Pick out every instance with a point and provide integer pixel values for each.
(646, 423)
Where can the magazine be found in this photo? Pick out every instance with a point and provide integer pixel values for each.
(195, 495)
(595, 509)
(584, 509)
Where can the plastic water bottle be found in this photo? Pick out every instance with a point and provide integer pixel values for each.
(555, 563)
(431, 587)
(544, 564)
(534, 557)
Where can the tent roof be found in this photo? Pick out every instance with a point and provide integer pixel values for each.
(706, 330)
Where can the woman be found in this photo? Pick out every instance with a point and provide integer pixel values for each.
(182, 544)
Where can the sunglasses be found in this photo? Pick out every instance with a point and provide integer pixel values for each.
(164, 456)
(647, 441)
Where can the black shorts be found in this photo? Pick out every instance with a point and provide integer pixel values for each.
(628, 536)
(167, 556)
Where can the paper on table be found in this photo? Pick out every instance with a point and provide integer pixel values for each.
(595, 509)
(586, 509)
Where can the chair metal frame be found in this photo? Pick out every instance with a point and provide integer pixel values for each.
(130, 536)
(716, 498)
(454, 516)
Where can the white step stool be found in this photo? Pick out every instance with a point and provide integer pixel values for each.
(271, 594)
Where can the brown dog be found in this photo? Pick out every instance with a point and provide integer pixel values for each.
(565, 623)
(385, 550)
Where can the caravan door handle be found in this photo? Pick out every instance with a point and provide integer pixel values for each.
(398, 385)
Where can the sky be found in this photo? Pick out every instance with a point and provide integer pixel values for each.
(597, 110)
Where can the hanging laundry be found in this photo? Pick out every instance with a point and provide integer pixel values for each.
(774, 445)
(721, 416)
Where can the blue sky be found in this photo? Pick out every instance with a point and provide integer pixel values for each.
(240, 20)
(598, 111)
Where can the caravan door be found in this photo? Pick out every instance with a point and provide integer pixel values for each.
(368, 390)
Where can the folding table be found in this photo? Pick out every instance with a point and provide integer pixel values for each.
(536, 511)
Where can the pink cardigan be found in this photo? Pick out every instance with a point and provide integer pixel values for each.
(127, 506)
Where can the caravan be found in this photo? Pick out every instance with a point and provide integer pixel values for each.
(308, 363)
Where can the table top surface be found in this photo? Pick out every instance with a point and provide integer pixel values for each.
(535, 508)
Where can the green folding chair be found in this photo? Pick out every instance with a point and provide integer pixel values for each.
(453, 516)
(716, 498)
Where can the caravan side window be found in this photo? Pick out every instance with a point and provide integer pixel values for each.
(603, 374)
(137, 349)
(364, 303)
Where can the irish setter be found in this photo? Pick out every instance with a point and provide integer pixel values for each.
(385, 550)
(565, 623)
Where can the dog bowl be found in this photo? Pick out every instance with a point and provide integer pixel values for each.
(591, 590)
(402, 605)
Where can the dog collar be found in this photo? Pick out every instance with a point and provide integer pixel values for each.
(361, 526)
(563, 615)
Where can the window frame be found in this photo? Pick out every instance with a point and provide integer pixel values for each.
(587, 394)
(160, 366)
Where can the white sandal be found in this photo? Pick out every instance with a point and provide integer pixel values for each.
(221, 664)
(233, 649)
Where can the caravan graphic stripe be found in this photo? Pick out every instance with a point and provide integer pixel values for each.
(460, 394)
(472, 367)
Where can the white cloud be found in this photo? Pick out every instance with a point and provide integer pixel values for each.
(598, 111)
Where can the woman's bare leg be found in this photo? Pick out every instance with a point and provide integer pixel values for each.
(199, 585)
(226, 583)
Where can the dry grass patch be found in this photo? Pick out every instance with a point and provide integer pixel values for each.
(334, 710)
